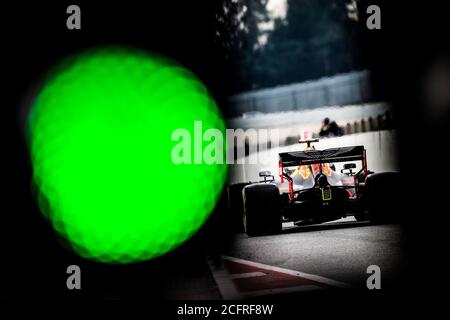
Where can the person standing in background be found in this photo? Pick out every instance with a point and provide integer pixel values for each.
(329, 129)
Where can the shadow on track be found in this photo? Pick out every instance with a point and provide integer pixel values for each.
(325, 226)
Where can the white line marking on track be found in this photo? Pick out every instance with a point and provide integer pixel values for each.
(308, 276)
(247, 275)
(267, 292)
(222, 278)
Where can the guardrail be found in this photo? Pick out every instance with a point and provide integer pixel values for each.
(380, 122)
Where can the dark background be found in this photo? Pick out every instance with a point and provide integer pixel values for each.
(34, 37)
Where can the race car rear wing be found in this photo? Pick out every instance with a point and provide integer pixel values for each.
(298, 158)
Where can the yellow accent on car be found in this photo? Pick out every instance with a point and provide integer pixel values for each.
(326, 194)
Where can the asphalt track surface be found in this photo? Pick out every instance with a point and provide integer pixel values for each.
(337, 251)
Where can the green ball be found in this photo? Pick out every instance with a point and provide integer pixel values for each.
(101, 149)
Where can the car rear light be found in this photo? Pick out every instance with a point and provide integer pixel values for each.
(280, 171)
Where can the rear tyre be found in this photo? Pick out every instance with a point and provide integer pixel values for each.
(382, 196)
(262, 212)
(236, 206)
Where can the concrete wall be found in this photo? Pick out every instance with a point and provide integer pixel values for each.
(295, 124)
(380, 146)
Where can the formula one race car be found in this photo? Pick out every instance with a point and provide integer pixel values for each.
(311, 190)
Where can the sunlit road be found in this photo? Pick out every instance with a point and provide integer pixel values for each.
(340, 250)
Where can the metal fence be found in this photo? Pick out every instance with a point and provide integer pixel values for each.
(348, 88)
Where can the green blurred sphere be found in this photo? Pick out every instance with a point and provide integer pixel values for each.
(100, 141)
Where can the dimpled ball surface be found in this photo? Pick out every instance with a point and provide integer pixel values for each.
(100, 141)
